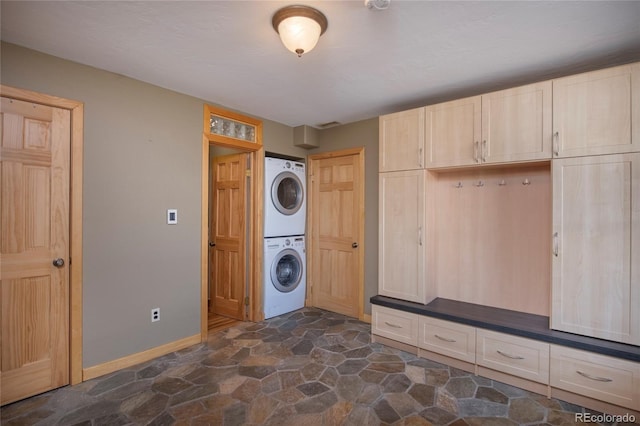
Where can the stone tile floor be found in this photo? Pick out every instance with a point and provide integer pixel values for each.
(309, 367)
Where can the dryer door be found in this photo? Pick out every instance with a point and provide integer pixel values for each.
(286, 270)
(287, 193)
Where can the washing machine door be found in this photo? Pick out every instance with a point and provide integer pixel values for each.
(286, 270)
(287, 193)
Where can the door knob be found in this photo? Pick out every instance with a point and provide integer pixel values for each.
(59, 262)
(354, 245)
(212, 244)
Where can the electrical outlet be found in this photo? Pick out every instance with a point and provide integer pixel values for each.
(155, 314)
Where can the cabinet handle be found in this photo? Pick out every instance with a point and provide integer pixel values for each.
(392, 325)
(555, 244)
(476, 146)
(596, 378)
(510, 356)
(420, 235)
(484, 150)
(444, 339)
(420, 160)
(556, 142)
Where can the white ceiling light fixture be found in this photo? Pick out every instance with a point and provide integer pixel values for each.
(299, 27)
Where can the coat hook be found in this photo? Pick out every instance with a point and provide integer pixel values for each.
(480, 183)
(526, 182)
(502, 183)
(459, 185)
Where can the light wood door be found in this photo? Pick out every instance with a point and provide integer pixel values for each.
(596, 248)
(402, 141)
(337, 232)
(516, 124)
(227, 235)
(453, 132)
(35, 152)
(597, 112)
(401, 236)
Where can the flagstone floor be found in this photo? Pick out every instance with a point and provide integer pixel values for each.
(306, 368)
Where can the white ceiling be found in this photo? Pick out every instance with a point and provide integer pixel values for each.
(367, 63)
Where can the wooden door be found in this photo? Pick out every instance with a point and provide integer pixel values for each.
(337, 232)
(596, 248)
(402, 235)
(402, 141)
(452, 133)
(516, 124)
(35, 153)
(597, 112)
(227, 230)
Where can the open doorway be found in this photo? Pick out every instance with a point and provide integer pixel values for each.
(231, 254)
(229, 230)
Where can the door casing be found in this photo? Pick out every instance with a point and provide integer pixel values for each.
(75, 220)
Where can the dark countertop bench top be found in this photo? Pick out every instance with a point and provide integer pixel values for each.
(510, 322)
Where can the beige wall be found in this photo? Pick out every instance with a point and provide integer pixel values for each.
(141, 156)
(361, 134)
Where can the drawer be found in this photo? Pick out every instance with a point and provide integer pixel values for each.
(597, 376)
(396, 325)
(513, 355)
(448, 338)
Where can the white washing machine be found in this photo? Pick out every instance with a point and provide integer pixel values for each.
(285, 280)
(284, 197)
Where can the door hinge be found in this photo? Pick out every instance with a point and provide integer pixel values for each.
(247, 172)
(246, 301)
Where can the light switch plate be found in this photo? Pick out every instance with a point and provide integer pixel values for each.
(172, 216)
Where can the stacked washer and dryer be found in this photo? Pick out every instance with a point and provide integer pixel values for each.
(284, 243)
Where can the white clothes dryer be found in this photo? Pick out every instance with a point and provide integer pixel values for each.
(284, 275)
(284, 197)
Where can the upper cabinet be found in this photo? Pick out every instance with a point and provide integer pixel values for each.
(597, 112)
(499, 127)
(453, 133)
(516, 124)
(402, 141)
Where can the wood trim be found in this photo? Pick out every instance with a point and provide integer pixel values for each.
(366, 318)
(394, 344)
(138, 358)
(594, 404)
(443, 359)
(529, 385)
(229, 142)
(255, 152)
(360, 152)
(204, 239)
(75, 220)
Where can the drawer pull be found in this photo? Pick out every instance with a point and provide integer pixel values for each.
(596, 378)
(392, 325)
(444, 339)
(510, 356)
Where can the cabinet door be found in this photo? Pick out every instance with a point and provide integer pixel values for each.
(516, 124)
(402, 141)
(396, 325)
(596, 376)
(401, 268)
(452, 133)
(596, 247)
(597, 112)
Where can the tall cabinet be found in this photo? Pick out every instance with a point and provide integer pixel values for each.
(402, 206)
(596, 246)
